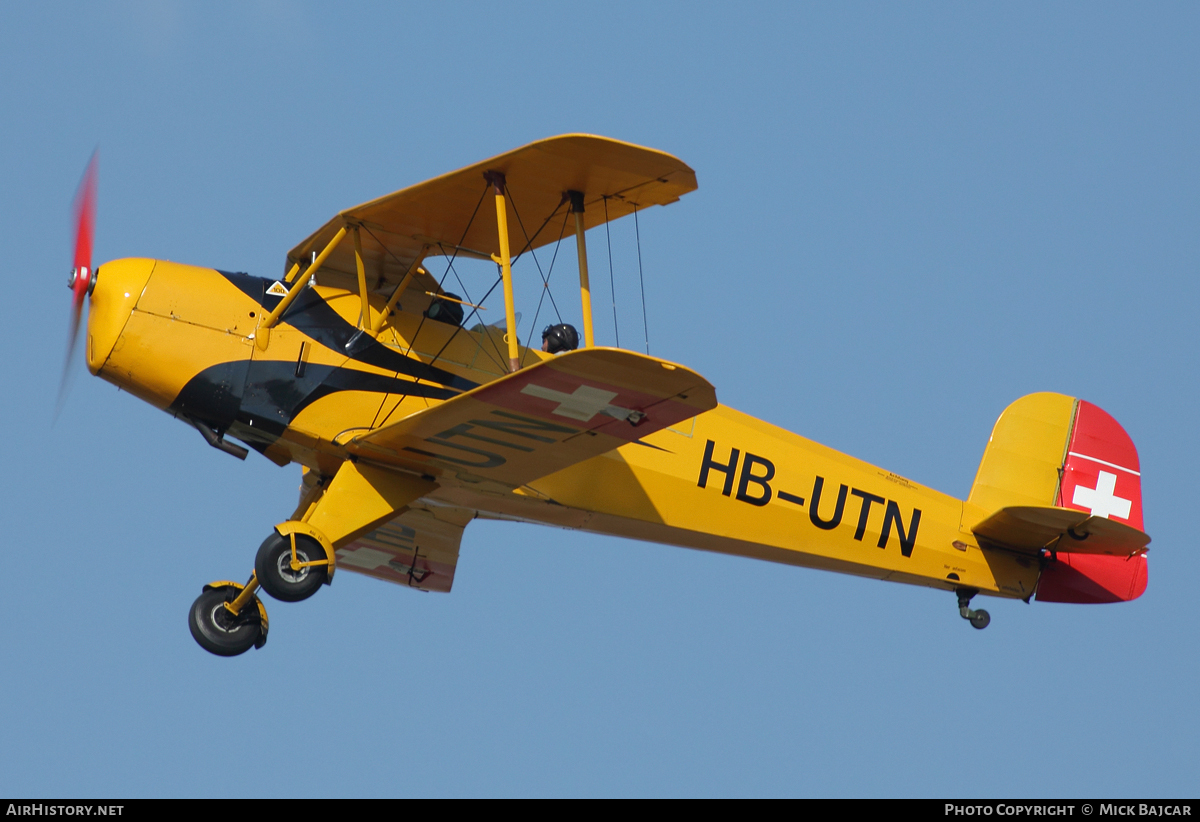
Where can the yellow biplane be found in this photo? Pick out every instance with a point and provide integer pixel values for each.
(360, 367)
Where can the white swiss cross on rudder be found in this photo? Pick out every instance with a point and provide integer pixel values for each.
(1102, 500)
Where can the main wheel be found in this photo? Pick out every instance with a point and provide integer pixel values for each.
(273, 567)
(220, 632)
(980, 619)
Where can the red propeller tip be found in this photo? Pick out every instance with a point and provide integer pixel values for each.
(82, 273)
(85, 222)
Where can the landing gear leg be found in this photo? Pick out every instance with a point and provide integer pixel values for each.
(227, 619)
(978, 619)
(291, 568)
(293, 562)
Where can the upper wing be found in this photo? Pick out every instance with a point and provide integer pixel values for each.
(444, 212)
(419, 548)
(543, 418)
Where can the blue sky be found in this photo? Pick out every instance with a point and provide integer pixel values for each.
(909, 215)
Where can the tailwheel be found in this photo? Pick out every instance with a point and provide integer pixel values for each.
(979, 619)
(218, 630)
(278, 573)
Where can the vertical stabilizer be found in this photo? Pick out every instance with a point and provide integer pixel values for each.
(1025, 453)
(1050, 449)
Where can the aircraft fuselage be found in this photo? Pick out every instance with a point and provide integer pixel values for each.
(187, 340)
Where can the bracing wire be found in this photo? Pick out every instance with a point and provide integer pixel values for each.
(611, 283)
(421, 324)
(545, 222)
(546, 289)
(466, 319)
(641, 279)
(475, 311)
(498, 360)
(545, 276)
(449, 266)
(529, 245)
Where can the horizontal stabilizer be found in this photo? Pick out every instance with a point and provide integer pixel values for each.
(543, 418)
(1031, 528)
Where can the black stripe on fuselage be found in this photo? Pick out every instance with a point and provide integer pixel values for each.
(273, 395)
(316, 318)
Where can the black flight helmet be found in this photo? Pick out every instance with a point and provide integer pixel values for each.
(561, 337)
(446, 311)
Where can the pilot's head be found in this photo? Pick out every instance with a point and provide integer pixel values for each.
(558, 338)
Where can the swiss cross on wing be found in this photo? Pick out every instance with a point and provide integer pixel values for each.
(1101, 474)
(576, 401)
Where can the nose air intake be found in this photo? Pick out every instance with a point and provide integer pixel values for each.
(114, 296)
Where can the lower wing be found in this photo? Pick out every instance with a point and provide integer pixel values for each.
(542, 419)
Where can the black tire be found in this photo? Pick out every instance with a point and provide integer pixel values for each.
(980, 619)
(273, 567)
(220, 632)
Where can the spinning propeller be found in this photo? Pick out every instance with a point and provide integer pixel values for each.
(83, 277)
